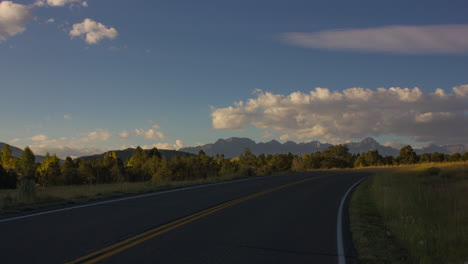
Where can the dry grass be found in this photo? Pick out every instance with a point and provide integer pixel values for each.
(11, 201)
(423, 209)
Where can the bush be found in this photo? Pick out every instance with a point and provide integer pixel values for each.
(26, 190)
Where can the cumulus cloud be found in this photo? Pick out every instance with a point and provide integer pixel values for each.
(67, 117)
(13, 19)
(63, 151)
(151, 133)
(124, 134)
(39, 137)
(57, 3)
(461, 90)
(93, 31)
(354, 113)
(177, 145)
(98, 135)
(430, 39)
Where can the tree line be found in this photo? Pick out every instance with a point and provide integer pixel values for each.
(151, 166)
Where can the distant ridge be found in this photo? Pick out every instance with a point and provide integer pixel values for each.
(16, 152)
(233, 147)
(125, 154)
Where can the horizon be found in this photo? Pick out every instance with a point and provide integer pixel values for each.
(85, 77)
(184, 149)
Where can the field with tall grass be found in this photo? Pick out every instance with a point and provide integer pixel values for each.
(26, 198)
(413, 215)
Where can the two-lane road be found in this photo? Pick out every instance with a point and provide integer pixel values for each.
(289, 218)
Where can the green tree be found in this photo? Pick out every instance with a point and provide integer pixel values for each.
(27, 165)
(70, 172)
(337, 157)
(49, 173)
(135, 164)
(407, 155)
(6, 156)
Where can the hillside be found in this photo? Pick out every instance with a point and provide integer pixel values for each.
(16, 152)
(125, 154)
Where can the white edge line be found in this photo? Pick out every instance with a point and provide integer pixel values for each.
(339, 226)
(133, 197)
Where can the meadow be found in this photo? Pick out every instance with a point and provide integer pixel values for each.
(413, 215)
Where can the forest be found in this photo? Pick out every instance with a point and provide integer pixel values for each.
(151, 166)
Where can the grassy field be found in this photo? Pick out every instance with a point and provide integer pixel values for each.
(413, 215)
(11, 201)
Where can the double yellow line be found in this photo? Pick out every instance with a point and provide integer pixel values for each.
(138, 239)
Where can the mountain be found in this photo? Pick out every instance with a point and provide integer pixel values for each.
(127, 153)
(370, 144)
(446, 149)
(16, 152)
(233, 147)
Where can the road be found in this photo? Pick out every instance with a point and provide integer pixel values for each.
(290, 218)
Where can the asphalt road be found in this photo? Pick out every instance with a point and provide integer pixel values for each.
(289, 218)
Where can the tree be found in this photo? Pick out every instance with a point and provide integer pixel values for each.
(70, 172)
(27, 165)
(407, 155)
(49, 173)
(135, 164)
(337, 157)
(5, 156)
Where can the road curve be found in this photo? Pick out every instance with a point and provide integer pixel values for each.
(290, 218)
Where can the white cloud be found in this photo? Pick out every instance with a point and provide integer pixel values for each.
(177, 145)
(461, 90)
(13, 19)
(59, 3)
(65, 150)
(39, 137)
(430, 39)
(15, 140)
(354, 113)
(67, 117)
(124, 134)
(284, 137)
(151, 133)
(93, 31)
(98, 135)
(50, 20)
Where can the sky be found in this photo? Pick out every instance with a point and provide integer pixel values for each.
(82, 77)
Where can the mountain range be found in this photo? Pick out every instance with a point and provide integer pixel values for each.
(233, 147)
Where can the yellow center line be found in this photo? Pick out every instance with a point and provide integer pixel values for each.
(138, 239)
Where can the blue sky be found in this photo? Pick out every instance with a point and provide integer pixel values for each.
(175, 67)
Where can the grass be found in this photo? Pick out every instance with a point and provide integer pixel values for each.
(413, 215)
(12, 201)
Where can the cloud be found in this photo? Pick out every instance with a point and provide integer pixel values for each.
(151, 133)
(461, 90)
(93, 31)
(50, 20)
(98, 135)
(63, 151)
(284, 137)
(67, 117)
(124, 134)
(39, 137)
(177, 145)
(430, 39)
(354, 113)
(59, 3)
(13, 19)
(15, 140)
